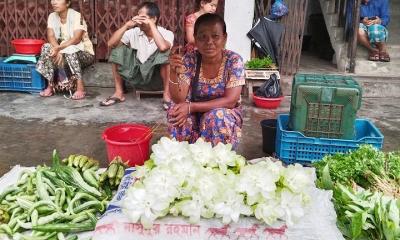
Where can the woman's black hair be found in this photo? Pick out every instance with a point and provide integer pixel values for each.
(209, 18)
(152, 10)
(198, 3)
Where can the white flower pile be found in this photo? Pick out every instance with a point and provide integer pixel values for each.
(199, 181)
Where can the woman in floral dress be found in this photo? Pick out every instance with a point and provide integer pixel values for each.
(68, 52)
(205, 86)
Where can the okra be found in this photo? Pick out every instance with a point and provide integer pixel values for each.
(34, 217)
(7, 191)
(40, 186)
(89, 178)
(121, 171)
(60, 236)
(72, 237)
(6, 229)
(24, 225)
(59, 183)
(50, 218)
(112, 170)
(48, 236)
(23, 203)
(66, 227)
(99, 206)
(88, 164)
(14, 220)
(50, 184)
(41, 203)
(80, 218)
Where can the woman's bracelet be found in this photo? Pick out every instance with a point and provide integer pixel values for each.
(175, 83)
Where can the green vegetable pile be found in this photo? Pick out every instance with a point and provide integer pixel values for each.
(55, 202)
(366, 192)
(255, 63)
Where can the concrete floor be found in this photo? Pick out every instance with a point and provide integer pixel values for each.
(31, 127)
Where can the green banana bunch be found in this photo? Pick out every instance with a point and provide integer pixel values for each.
(4, 216)
(114, 173)
(81, 162)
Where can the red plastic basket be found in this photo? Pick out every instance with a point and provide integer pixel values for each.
(27, 46)
(129, 141)
(269, 103)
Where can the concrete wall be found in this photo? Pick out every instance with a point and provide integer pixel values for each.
(239, 18)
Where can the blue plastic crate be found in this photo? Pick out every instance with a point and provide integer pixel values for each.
(294, 147)
(20, 77)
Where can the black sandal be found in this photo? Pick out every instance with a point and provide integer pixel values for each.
(111, 101)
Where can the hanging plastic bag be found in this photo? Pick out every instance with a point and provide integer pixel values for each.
(278, 10)
(271, 88)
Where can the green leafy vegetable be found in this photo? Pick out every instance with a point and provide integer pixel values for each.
(255, 63)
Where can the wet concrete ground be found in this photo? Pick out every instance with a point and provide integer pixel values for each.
(31, 127)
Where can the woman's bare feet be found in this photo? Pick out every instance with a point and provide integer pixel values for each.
(80, 93)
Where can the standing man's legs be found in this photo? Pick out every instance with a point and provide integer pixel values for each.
(165, 73)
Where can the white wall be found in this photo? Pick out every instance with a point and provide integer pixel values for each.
(239, 18)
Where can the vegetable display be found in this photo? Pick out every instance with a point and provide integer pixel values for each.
(366, 191)
(197, 180)
(255, 63)
(54, 202)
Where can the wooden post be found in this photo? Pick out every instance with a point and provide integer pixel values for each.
(353, 43)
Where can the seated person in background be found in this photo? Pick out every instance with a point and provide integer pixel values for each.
(69, 51)
(140, 54)
(205, 87)
(204, 6)
(374, 16)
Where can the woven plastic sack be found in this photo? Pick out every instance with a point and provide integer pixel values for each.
(278, 9)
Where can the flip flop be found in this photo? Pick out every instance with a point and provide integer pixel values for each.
(111, 101)
(384, 57)
(43, 94)
(74, 97)
(373, 56)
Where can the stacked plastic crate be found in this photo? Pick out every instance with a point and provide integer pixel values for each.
(21, 77)
(323, 120)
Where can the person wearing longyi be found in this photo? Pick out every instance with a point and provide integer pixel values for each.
(205, 87)
(140, 50)
(69, 49)
(372, 32)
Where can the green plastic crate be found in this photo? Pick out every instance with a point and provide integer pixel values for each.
(324, 106)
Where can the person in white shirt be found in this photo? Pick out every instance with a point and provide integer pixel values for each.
(140, 54)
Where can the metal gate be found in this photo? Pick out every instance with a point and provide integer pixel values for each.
(292, 38)
(28, 19)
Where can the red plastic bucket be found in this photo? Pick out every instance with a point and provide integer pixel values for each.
(27, 46)
(129, 141)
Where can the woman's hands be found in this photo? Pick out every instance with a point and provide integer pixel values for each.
(57, 56)
(368, 22)
(179, 114)
(175, 61)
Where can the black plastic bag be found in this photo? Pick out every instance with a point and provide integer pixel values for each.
(271, 88)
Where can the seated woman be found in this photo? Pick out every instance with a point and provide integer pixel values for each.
(204, 6)
(69, 51)
(205, 87)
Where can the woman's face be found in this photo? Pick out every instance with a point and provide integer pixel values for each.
(210, 39)
(59, 5)
(209, 7)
